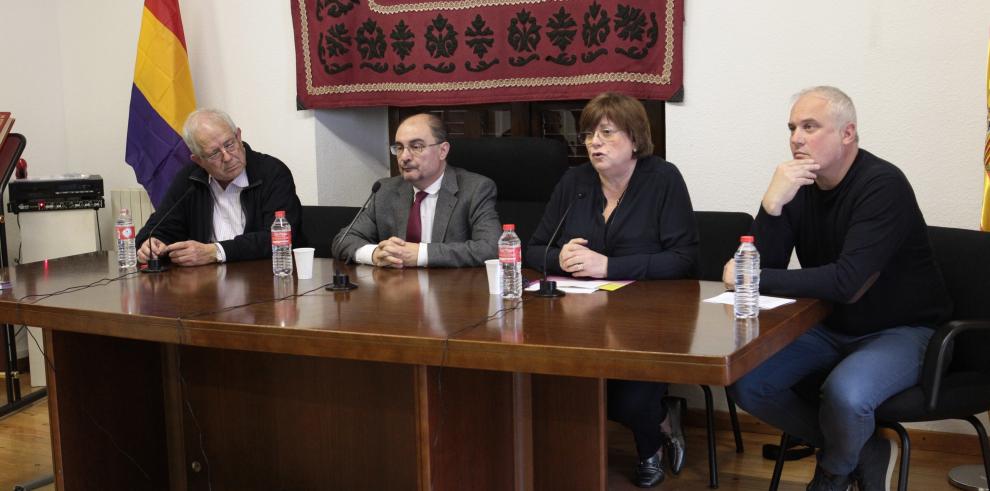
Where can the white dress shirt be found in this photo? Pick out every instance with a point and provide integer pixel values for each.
(228, 216)
(427, 210)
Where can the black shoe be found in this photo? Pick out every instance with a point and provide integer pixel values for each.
(649, 472)
(823, 481)
(875, 469)
(674, 444)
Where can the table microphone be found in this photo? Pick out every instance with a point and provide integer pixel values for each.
(341, 281)
(548, 289)
(154, 264)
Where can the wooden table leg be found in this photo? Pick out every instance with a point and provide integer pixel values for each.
(569, 445)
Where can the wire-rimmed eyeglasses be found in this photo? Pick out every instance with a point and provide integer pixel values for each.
(227, 147)
(606, 134)
(416, 147)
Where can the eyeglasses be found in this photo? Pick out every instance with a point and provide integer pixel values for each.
(227, 147)
(606, 134)
(415, 148)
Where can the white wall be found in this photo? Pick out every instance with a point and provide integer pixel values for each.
(352, 153)
(31, 88)
(31, 84)
(243, 61)
(915, 69)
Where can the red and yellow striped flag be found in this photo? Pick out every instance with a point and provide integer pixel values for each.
(985, 216)
(161, 98)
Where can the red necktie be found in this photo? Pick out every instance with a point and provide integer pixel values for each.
(414, 228)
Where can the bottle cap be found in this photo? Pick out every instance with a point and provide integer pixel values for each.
(280, 214)
(746, 238)
(508, 226)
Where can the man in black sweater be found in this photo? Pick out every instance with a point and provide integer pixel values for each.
(863, 245)
(222, 208)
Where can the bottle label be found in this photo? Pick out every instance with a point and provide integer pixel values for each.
(125, 233)
(510, 254)
(282, 238)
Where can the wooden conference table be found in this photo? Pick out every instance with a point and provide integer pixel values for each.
(197, 378)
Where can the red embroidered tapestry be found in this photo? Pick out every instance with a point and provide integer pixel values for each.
(408, 53)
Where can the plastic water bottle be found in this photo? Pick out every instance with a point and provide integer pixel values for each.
(281, 245)
(126, 253)
(510, 257)
(747, 263)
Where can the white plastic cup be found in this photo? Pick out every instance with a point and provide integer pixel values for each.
(304, 262)
(494, 268)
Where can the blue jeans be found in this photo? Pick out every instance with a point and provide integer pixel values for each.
(860, 373)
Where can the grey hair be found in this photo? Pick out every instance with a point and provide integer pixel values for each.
(196, 118)
(840, 105)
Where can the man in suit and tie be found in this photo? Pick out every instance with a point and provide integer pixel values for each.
(432, 214)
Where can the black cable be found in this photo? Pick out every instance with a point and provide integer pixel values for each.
(51, 365)
(71, 289)
(183, 384)
(182, 379)
(20, 242)
(113, 441)
(182, 317)
(99, 236)
(192, 413)
(446, 347)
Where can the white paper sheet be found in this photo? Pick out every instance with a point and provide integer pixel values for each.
(766, 303)
(575, 285)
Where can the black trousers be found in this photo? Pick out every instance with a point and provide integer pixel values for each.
(639, 406)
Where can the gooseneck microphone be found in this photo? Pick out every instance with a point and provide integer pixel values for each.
(548, 289)
(154, 264)
(341, 281)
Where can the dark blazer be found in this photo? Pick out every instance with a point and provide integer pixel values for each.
(651, 234)
(465, 227)
(270, 188)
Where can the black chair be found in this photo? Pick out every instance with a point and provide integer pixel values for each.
(955, 377)
(718, 238)
(321, 224)
(525, 171)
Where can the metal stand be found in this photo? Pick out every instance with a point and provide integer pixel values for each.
(15, 401)
(548, 289)
(970, 477)
(10, 152)
(341, 283)
(35, 484)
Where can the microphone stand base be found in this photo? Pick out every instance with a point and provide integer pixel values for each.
(341, 283)
(154, 266)
(548, 289)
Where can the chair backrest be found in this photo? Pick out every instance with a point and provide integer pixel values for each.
(10, 152)
(524, 169)
(964, 259)
(718, 239)
(321, 224)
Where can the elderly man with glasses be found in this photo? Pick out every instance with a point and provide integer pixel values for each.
(432, 214)
(220, 209)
